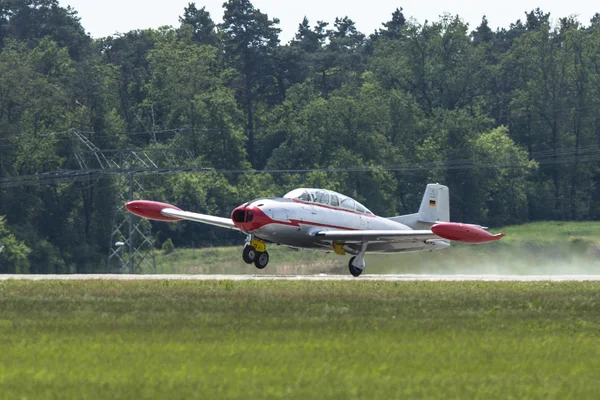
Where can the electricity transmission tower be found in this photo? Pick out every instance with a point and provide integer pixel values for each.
(131, 245)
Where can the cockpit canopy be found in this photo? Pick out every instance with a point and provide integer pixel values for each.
(328, 198)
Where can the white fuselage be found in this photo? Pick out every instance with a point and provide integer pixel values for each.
(294, 223)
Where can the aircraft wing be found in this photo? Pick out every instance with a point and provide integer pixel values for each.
(454, 231)
(377, 235)
(165, 212)
(203, 218)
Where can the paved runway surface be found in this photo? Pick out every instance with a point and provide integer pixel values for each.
(323, 277)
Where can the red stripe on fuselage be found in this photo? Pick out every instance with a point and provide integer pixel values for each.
(261, 223)
(260, 220)
(296, 222)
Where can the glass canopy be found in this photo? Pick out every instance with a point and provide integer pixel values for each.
(327, 198)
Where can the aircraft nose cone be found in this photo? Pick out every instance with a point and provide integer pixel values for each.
(238, 216)
(248, 218)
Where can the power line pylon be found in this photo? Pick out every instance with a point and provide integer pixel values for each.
(128, 233)
(131, 241)
(125, 165)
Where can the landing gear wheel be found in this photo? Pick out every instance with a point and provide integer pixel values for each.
(262, 259)
(353, 270)
(249, 254)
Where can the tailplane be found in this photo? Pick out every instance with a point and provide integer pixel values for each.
(435, 207)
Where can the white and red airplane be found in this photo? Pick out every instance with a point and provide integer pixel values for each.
(325, 220)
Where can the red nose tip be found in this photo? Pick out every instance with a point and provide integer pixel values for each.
(238, 216)
(249, 218)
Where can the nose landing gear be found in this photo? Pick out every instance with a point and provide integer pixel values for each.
(262, 260)
(249, 254)
(255, 252)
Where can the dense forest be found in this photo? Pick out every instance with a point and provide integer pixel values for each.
(508, 119)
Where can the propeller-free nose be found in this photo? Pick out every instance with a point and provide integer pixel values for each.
(248, 218)
(238, 216)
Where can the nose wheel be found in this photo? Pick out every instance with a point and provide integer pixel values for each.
(249, 254)
(256, 253)
(262, 260)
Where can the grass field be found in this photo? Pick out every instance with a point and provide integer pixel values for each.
(299, 340)
(535, 248)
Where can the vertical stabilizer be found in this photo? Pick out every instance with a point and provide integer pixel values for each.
(435, 206)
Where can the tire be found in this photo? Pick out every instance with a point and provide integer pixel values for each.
(249, 254)
(262, 259)
(353, 270)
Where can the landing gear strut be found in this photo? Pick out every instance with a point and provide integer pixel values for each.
(255, 252)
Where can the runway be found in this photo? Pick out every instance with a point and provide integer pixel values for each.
(321, 277)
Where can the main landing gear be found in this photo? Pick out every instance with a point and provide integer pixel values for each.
(255, 252)
(357, 264)
(355, 271)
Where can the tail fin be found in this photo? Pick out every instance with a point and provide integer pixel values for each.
(435, 207)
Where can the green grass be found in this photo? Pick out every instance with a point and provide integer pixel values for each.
(536, 248)
(552, 232)
(299, 340)
(228, 260)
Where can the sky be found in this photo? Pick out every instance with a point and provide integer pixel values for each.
(107, 17)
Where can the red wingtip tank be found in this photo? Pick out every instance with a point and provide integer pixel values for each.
(151, 210)
(464, 233)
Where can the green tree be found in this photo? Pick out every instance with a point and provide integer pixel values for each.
(33, 20)
(393, 29)
(13, 256)
(501, 179)
(129, 53)
(250, 39)
(203, 27)
(436, 63)
(187, 89)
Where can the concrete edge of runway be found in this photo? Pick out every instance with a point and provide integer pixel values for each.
(320, 277)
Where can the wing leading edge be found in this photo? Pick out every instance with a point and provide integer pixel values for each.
(203, 218)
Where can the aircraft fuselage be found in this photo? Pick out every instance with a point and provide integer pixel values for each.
(294, 223)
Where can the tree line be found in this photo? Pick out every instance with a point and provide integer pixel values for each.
(508, 119)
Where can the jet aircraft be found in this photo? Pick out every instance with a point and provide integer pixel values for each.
(325, 220)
